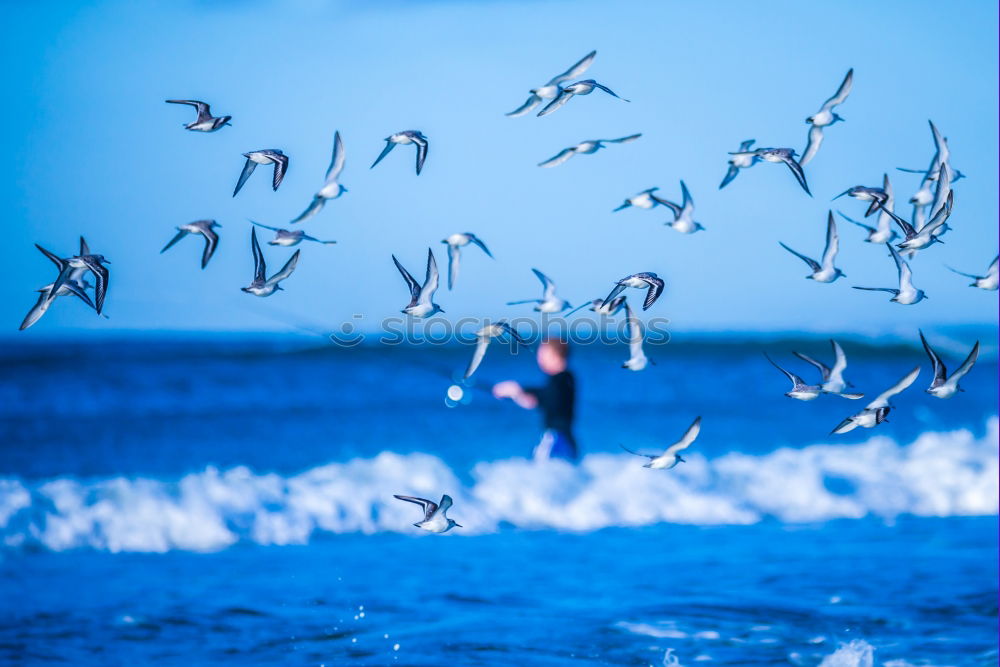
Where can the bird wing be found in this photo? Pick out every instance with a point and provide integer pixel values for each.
(385, 151)
(812, 144)
(430, 279)
(966, 365)
(337, 159)
(648, 456)
(832, 242)
(674, 208)
(37, 310)
(244, 175)
(315, 206)
(482, 342)
(411, 282)
(813, 264)
(634, 332)
(689, 436)
(280, 167)
(882, 400)
(560, 100)
(548, 287)
(793, 378)
(58, 261)
(204, 112)
(475, 239)
(453, 256)
(532, 102)
(652, 294)
(823, 368)
(180, 234)
(940, 217)
(621, 140)
(286, 270)
(994, 267)
(687, 203)
(259, 265)
(445, 503)
(730, 175)
(421, 144)
(576, 70)
(839, 361)
(101, 277)
(905, 274)
(937, 365)
(796, 169)
(609, 91)
(429, 506)
(211, 242)
(558, 158)
(84, 248)
(843, 427)
(842, 92)
(616, 290)
(273, 229)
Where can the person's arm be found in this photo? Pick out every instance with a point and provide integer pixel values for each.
(514, 391)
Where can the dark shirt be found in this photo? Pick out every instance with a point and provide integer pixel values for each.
(557, 401)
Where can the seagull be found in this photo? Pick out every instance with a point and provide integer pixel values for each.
(648, 281)
(825, 117)
(601, 307)
(550, 302)
(552, 89)
(645, 199)
(683, 222)
(76, 266)
(584, 87)
(875, 412)
(883, 232)
(331, 188)
(906, 294)
(671, 457)
(800, 390)
(924, 195)
(203, 227)
(742, 159)
(421, 297)
(989, 281)
(825, 272)
(833, 378)
(455, 243)
(205, 122)
(287, 238)
(266, 156)
(262, 285)
(877, 196)
(405, 137)
(585, 148)
(434, 520)
(75, 285)
(483, 338)
(943, 386)
(786, 155)
(917, 240)
(637, 359)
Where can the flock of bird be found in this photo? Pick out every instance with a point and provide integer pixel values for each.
(932, 207)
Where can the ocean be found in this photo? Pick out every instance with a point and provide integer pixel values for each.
(222, 499)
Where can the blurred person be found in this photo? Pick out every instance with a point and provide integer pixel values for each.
(556, 399)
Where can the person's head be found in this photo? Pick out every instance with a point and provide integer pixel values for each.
(553, 356)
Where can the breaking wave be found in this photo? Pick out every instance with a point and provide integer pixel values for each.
(937, 475)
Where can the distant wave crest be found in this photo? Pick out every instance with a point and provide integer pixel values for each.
(939, 474)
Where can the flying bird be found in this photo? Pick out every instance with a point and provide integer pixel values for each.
(988, 282)
(671, 457)
(637, 359)
(683, 221)
(76, 266)
(601, 307)
(825, 117)
(421, 296)
(483, 338)
(647, 281)
(266, 156)
(75, 285)
(203, 227)
(824, 272)
(287, 238)
(552, 89)
(331, 188)
(883, 231)
(775, 155)
(875, 412)
(455, 243)
(584, 148)
(584, 87)
(833, 378)
(261, 284)
(877, 196)
(919, 239)
(645, 199)
(205, 122)
(800, 391)
(742, 159)
(550, 301)
(435, 520)
(402, 138)
(943, 386)
(906, 294)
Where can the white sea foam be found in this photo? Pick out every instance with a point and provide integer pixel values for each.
(939, 474)
(857, 653)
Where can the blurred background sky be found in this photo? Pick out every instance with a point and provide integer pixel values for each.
(92, 149)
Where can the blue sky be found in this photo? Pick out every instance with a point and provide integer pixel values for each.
(91, 148)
